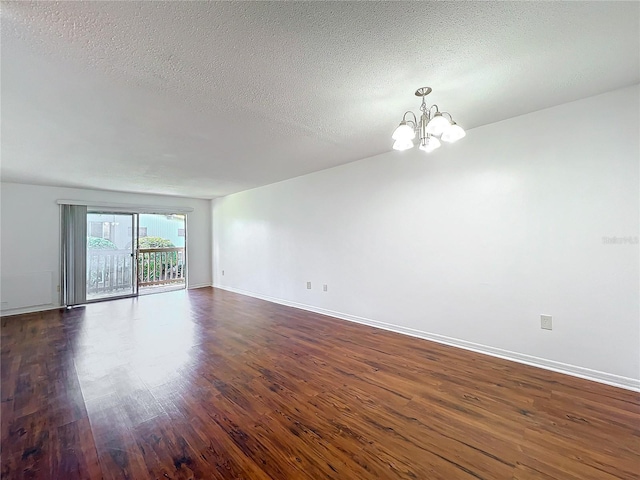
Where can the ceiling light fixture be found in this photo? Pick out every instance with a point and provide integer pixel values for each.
(432, 124)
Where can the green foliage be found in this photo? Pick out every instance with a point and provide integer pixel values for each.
(100, 244)
(157, 265)
(154, 242)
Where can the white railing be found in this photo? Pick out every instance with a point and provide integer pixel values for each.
(110, 271)
(161, 266)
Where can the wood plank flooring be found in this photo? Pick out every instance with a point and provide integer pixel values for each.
(207, 384)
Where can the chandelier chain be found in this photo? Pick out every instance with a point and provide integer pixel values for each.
(423, 107)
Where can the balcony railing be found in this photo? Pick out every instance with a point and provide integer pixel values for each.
(161, 266)
(109, 272)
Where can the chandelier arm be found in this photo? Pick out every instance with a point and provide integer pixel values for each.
(450, 117)
(404, 118)
(436, 107)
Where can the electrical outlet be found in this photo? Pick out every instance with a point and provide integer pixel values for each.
(324, 287)
(58, 289)
(223, 273)
(545, 322)
(308, 285)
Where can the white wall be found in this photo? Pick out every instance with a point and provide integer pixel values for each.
(468, 245)
(30, 239)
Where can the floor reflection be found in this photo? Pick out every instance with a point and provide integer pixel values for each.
(133, 344)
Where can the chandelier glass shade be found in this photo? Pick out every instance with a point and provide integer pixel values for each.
(432, 124)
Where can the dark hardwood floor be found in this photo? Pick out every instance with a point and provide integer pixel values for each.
(209, 384)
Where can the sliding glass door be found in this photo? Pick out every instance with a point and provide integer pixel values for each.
(161, 252)
(111, 241)
(108, 254)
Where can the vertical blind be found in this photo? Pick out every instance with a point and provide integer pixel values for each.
(74, 254)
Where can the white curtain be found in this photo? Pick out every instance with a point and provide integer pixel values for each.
(74, 254)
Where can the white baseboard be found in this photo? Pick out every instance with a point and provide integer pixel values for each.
(44, 308)
(20, 311)
(565, 368)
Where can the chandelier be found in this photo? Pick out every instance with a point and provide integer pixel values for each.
(432, 124)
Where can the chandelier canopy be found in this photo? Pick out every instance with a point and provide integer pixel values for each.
(432, 127)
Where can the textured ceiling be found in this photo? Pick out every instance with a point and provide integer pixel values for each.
(205, 99)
